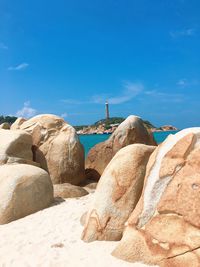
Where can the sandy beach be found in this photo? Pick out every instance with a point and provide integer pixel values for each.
(51, 237)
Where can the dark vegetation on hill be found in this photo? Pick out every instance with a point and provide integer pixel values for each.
(9, 119)
(109, 122)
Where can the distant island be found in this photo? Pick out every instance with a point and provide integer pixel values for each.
(108, 126)
(103, 126)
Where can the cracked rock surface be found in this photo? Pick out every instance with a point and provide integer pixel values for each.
(164, 228)
(130, 131)
(117, 193)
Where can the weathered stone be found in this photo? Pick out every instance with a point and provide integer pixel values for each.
(24, 189)
(117, 194)
(57, 148)
(16, 125)
(15, 147)
(130, 131)
(68, 191)
(164, 228)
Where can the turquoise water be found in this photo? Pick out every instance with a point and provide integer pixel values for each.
(89, 141)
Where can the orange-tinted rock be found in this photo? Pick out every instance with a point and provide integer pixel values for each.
(117, 193)
(164, 228)
(130, 131)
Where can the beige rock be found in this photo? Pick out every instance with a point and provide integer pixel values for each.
(5, 126)
(164, 228)
(65, 157)
(24, 189)
(130, 131)
(117, 193)
(68, 191)
(57, 148)
(15, 147)
(16, 125)
(43, 127)
(89, 185)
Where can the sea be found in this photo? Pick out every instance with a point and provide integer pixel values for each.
(90, 140)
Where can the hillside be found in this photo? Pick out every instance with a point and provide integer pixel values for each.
(106, 126)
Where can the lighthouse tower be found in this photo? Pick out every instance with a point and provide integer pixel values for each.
(107, 110)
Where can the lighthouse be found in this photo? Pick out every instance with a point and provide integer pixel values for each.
(107, 110)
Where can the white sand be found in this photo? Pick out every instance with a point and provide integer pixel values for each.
(29, 241)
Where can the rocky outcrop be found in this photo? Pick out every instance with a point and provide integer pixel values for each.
(24, 189)
(117, 194)
(130, 131)
(43, 127)
(16, 125)
(101, 129)
(15, 147)
(165, 128)
(68, 191)
(56, 148)
(164, 228)
(5, 126)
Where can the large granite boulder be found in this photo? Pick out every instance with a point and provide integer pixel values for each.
(43, 127)
(16, 125)
(15, 147)
(130, 131)
(24, 189)
(69, 191)
(117, 193)
(164, 228)
(57, 148)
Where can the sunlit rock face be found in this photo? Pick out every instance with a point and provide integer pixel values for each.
(24, 189)
(16, 147)
(56, 147)
(164, 228)
(117, 193)
(130, 131)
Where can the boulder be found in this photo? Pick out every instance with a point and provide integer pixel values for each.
(43, 127)
(5, 126)
(15, 147)
(16, 125)
(24, 189)
(117, 193)
(130, 131)
(65, 157)
(68, 191)
(57, 148)
(164, 228)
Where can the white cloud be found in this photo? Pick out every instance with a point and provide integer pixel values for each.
(165, 97)
(182, 83)
(3, 46)
(21, 66)
(129, 91)
(186, 32)
(27, 111)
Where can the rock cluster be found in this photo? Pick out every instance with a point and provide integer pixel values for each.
(24, 187)
(33, 154)
(130, 131)
(162, 226)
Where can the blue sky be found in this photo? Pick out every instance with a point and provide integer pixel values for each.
(68, 57)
